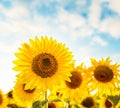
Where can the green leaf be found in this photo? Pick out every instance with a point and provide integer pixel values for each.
(13, 106)
(43, 102)
(39, 104)
(115, 99)
(76, 106)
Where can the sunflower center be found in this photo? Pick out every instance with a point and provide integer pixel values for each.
(44, 65)
(46, 62)
(28, 90)
(88, 102)
(103, 74)
(58, 94)
(76, 80)
(10, 94)
(1, 99)
(12, 106)
(51, 105)
(108, 104)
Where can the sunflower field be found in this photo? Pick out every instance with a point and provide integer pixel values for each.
(48, 77)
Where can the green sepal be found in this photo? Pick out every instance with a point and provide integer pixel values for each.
(115, 99)
(55, 100)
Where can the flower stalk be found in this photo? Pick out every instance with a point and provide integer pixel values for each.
(46, 100)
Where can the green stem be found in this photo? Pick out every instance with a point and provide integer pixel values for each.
(67, 104)
(46, 99)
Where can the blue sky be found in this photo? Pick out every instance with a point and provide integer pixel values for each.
(90, 28)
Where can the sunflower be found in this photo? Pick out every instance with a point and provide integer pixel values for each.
(89, 102)
(55, 105)
(55, 95)
(104, 76)
(77, 88)
(9, 97)
(43, 62)
(10, 101)
(25, 97)
(2, 100)
(104, 102)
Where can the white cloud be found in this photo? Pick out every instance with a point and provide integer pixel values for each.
(94, 14)
(111, 26)
(115, 5)
(7, 78)
(7, 75)
(70, 20)
(73, 24)
(19, 23)
(15, 22)
(81, 3)
(5, 28)
(115, 58)
(97, 40)
(83, 55)
(18, 17)
(16, 12)
(85, 31)
(7, 48)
